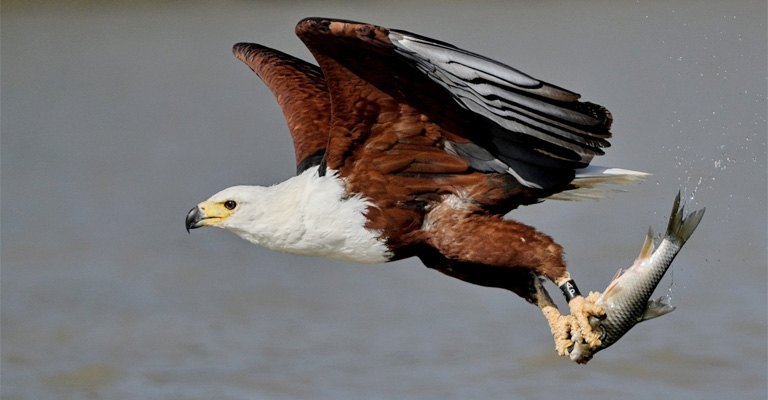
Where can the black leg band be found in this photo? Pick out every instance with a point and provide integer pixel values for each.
(570, 290)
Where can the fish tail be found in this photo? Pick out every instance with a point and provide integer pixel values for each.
(681, 226)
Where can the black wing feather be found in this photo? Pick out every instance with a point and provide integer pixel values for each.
(525, 111)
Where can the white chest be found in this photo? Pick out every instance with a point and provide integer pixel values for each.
(314, 216)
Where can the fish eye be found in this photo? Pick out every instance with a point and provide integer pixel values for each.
(230, 204)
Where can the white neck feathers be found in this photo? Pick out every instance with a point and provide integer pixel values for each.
(309, 215)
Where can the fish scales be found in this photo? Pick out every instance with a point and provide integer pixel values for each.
(627, 310)
(626, 300)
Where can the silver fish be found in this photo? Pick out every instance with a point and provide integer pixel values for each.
(626, 300)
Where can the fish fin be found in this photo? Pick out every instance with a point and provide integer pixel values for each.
(613, 289)
(681, 226)
(647, 249)
(613, 285)
(657, 308)
(617, 274)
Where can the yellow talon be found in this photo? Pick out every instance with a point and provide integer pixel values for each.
(561, 327)
(581, 309)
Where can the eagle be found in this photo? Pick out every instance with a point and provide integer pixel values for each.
(408, 146)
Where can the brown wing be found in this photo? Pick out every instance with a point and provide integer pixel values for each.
(387, 85)
(370, 109)
(300, 89)
(413, 119)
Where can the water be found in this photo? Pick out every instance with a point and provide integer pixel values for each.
(117, 119)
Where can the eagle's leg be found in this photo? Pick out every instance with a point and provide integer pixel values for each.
(467, 236)
(581, 308)
(560, 325)
(563, 327)
(521, 281)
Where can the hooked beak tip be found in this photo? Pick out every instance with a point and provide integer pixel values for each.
(194, 216)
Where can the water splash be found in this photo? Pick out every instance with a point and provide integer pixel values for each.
(725, 159)
(670, 295)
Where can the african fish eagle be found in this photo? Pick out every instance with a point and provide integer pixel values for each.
(408, 146)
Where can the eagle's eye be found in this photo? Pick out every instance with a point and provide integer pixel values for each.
(230, 204)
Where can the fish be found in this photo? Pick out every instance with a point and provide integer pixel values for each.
(627, 299)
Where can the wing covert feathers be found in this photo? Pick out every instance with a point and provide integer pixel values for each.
(391, 93)
(537, 132)
(302, 94)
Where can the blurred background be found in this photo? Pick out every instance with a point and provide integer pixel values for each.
(118, 117)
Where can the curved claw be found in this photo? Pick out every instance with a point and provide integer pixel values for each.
(563, 336)
(580, 352)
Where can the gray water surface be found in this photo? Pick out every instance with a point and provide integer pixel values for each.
(117, 118)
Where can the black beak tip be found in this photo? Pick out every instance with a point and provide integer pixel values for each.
(193, 217)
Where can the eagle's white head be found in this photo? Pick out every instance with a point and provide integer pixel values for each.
(307, 214)
(235, 209)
